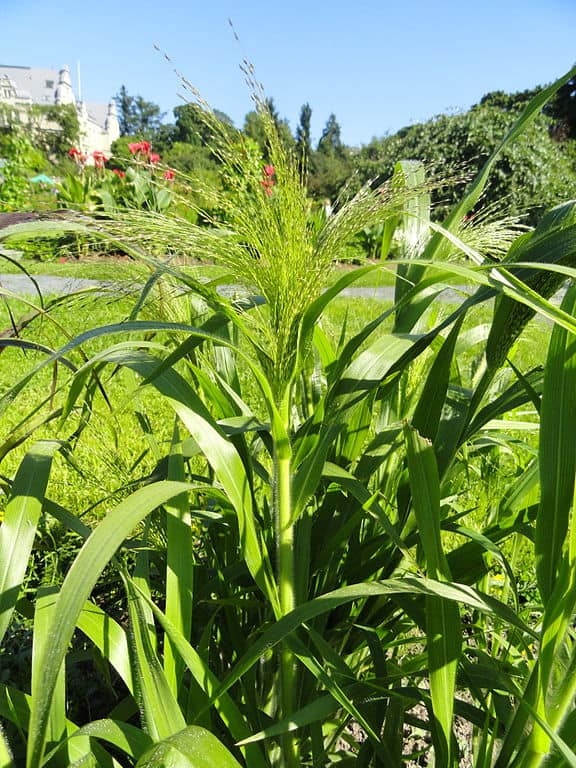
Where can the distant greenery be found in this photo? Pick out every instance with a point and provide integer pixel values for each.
(136, 116)
(563, 109)
(19, 159)
(529, 177)
(54, 143)
(536, 173)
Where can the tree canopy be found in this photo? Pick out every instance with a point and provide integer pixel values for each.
(136, 115)
(304, 135)
(532, 174)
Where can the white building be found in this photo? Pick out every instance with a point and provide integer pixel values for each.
(21, 87)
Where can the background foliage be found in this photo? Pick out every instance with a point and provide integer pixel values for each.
(529, 177)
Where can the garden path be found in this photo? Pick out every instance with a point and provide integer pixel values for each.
(51, 285)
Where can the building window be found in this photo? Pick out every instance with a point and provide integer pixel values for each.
(49, 83)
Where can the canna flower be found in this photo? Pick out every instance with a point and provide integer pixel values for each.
(75, 154)
(99, 159)
(268, 182)
(118, 173)
(143, 148)
(169, 174)
(267, 185)
(138, 147)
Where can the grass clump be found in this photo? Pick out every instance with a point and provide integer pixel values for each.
(309, 568)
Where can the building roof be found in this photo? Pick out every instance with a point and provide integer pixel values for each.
(97, 112)
(36, 84)
(39, 85)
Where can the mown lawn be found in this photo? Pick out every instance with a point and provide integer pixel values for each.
(117, 444)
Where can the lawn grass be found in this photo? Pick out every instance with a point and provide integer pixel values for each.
(96, 268)
(115, 449)
(113, 441)
(114, 444)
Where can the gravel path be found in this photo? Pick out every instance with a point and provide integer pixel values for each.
(51, 285)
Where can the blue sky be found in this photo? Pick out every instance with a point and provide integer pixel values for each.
(377, 65)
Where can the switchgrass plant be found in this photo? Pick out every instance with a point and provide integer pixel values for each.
(300, 579)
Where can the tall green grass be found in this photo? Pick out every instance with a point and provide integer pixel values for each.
(297, 579)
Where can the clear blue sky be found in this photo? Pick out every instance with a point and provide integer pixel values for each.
(378, 65)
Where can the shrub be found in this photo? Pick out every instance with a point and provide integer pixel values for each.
(531, 175)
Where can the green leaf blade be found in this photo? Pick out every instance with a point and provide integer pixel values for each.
(557, 453)
(79, 582)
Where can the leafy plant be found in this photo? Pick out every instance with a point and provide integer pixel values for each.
(18, 159)
(531, 175)
(302, 576)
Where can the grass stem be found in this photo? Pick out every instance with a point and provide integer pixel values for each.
(286, 575)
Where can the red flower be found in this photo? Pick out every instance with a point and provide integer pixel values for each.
(267, 184)
(154, 158)
(142, 147)
(169, 174)
(76, 155)
(118, 173)
(99, 159)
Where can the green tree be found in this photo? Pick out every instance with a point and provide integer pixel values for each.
(188, 144)
(328, 174)
(531, 174)
(508, 102)
(164, 137)
(137, 116)
(146, 116)
(190, 128)
(330, 166)
(188, 158)
(303, 136)
(124, 105)
(54, 128)
(331, 141)
(563, 110)
(254, 127)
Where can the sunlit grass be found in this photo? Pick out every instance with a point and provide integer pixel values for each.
(337, 478)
